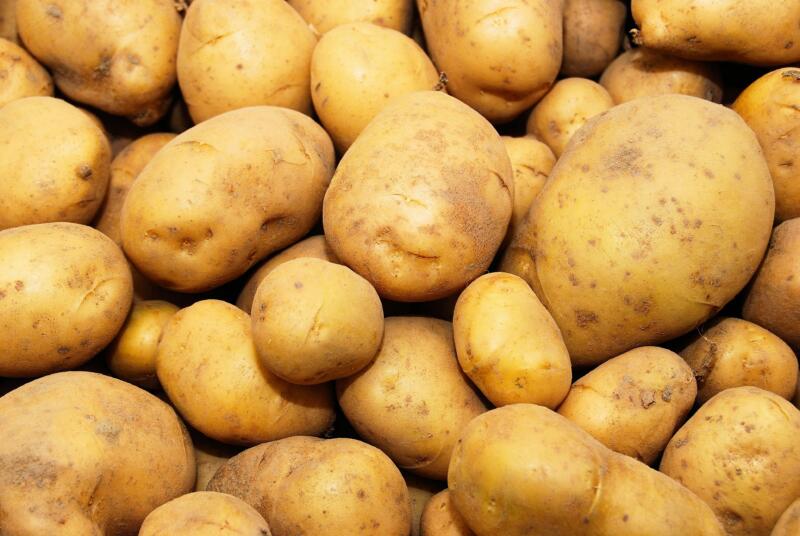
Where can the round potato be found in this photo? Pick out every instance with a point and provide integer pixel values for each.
(789, 522)
(531, 161)
(323, 16)
(412, 401)
(420, 491)
(205, 513)
(441, 518)
(592, 35)
(22, 75)
(421, 232)
(86, 454)
(210, 456)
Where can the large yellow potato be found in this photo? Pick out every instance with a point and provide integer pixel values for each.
(500, 56)
(789, 522)
(421, 232)
(22, 75)
(656, 216)
(239, 53)
(532, 161)
(441, 518)
(85, 454)
(205, 513)
(323, 15)
(118, 56)
(592, 35)
(267, 166)
(524, 469)
(739, 452)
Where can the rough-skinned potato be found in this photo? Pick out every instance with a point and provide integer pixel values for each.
(592, 35)
(22, 75)
(532, 161)
(323, 16)
(205, 513)
(441, 518)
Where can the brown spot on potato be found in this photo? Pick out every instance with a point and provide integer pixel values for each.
(647, 398)
(64, 350)
(298, 285)
(54, 11)
(584, 318)
(19, 285)
(84, 171)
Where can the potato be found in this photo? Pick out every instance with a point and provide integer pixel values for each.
(55, 163)
(523, 469)
(238, 53)
(566, 108)
(442, 519)
(508, 344)
(768, 107)
(22, 76)
(207, 363)
(86, 454)
(412, 401)
(739, 453)
(8, 21)
(210, 456)
(65, 290)
(531, 161)
(420, 491)
(323, 15)
(421, 232)
(592, 35)
(268, 166)
(205, 513)
(500, 57)
(335, 487)
(758, 32)
(633, 403)
(641, 72)
(126, 69)
(356, 69)
(656, 216)
(789, 522)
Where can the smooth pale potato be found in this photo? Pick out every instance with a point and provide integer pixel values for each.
(740, 453)
(8, 20)
(441, 518)
(667, 181)
(358, 68)
(633, 403)
(768, 107)
(65, 290)
(420, 491)
(642, 72)
(524, 469)
(789, 522)
(508, 344)
(207, 364)
(323, 15)
(734, 353)
(412, 401)
(421, 232)
(22, 75)
(238, 53)
(269, 166)
(567, 107)
(531, 161)
(86, 454)
(500, 56)
(205, 513)
(592, 35)
(126, 69)
(210, 456)
(55, 163)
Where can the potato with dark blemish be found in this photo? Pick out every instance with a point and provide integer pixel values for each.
(21, 76)
(441, 518)
(420, 491)
(592, 35)
(324, 15)
(789, 522)
(531, 161)
(205, 513)
(740, 452)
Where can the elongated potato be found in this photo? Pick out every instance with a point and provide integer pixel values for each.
(22, 75)
(532, 161)
(441, 518)
(592, 35)
(789, 522)
(327, 14)
(205, 513)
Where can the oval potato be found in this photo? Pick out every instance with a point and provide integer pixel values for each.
(592, 35)
(205, 513)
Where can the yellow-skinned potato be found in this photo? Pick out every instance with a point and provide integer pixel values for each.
(85, 454)
(421, 232)
(768, 107)
(8, 21)
(205, 513)
(666, 181)
(412, 401)
(642, 72)
(592, 35)
(508, 344)
(500, 56)
(566, 108)
(210, 455)
(634, 402)
(323, 15)
(524, 469)
(126, 69)
(532, 161)
(239, 53)
(22, 75)
(789, 522)
(420, 491)
(356, 69)
(65, 290)
(739, 453)
(441, 518)
(55, 163)
(269, 166)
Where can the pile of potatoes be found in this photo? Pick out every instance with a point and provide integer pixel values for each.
(399, 268)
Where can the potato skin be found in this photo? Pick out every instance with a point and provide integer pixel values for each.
(592, 35)
(210, 455)
(441, 518)
(633, 403)
(531, 161)
(23, 76)
(421, 233)
(8, 21)
(269, 166)
(420, 491)
(78, 438)
(205, 513)
(324, 16)
(739, 453)
(789, 522)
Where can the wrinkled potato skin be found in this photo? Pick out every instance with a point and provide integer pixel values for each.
(77, 438)
(118, 56)
(739, 453)
(269, 166)
(205, 513)
(323, 16)
(789, 522)
(420, 491)
(55, 163)
(500, 56)
(22, 75)
(65, 290)
(423, 232)
(768, 107)
(592, 35)
(8, 21)
(633, 403)
(441, 518)
(531, 161)
(412, 401)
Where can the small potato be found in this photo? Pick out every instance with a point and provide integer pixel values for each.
(420, 491)
(592, 35)
(22, 75)
(508, 344)
(205, 513)
(55, 163)
(441, 518)
(633, 403)
(357, 69)
(238, 53)
(323, 15)
(566, 108)
(789, 522)
(641, 72)
(412, 401)
(532, 162)
(210, 456)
